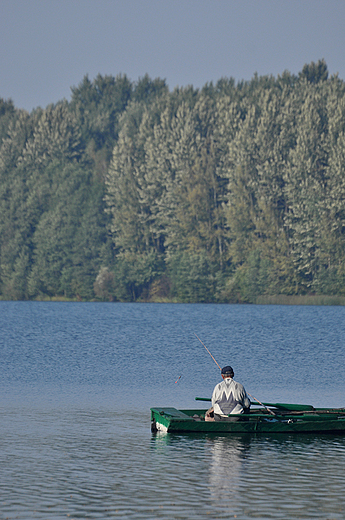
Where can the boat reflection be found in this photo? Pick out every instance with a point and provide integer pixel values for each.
(253, 475)
(254, 469)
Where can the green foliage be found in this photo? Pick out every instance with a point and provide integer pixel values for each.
(98, 104)
(192, 277)
(231, 193)
(147, 90)
(104, 286)
(7, 115)
(134, 273)
(315, 72)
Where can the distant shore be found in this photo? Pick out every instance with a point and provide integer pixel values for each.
(302, 299)
(276, 299)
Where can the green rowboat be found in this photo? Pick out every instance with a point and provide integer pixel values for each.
(273, 418)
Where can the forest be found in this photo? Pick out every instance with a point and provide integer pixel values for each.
(132, 192)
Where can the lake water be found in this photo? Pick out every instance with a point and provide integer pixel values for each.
(77, 382)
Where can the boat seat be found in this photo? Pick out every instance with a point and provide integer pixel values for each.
(172, 412)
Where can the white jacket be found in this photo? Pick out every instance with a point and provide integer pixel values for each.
(229, 397)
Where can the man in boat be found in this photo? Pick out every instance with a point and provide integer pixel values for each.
(229, 397)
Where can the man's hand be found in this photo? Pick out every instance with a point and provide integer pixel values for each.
(209, 416)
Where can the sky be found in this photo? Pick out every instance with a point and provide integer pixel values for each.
(48, 46)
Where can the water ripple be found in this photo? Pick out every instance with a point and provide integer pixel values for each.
(77, 384)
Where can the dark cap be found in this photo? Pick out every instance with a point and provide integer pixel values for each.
(227, 371)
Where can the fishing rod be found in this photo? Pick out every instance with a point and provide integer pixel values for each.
(208, 352)
(255, 399)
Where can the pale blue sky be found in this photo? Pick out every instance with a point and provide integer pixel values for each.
(47, 46)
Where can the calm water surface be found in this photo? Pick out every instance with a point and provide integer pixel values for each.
(77, 382)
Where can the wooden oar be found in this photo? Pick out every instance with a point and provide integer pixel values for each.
(257, 400)
(279, 406)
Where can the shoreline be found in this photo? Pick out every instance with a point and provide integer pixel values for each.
(277, 299)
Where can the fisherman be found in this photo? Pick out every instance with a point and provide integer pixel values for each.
(229, 397)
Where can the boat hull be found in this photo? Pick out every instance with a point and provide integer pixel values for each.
(259, 421)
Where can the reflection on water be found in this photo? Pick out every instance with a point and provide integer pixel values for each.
(78, 380)
(254, 476)
(226, 467)
(97, 463)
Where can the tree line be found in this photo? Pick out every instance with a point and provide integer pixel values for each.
(130, 192)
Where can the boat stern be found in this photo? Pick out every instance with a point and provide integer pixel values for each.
(163, 418)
